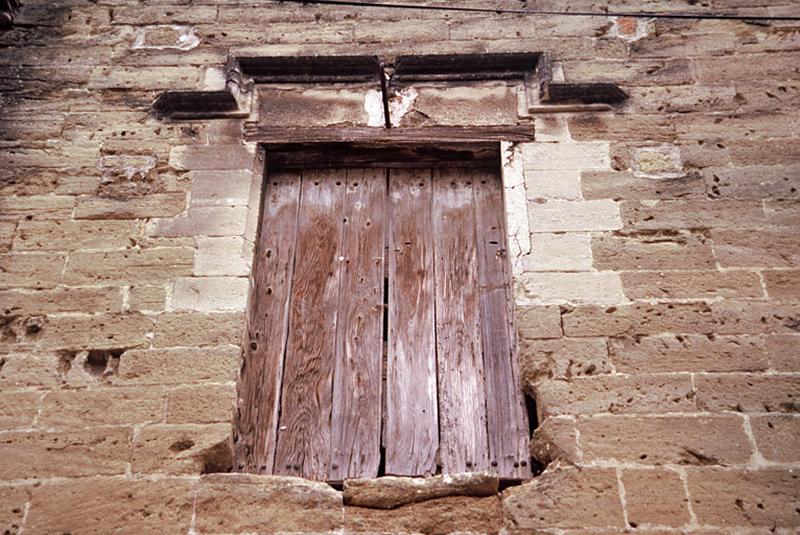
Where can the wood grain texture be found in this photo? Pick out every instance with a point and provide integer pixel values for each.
(304, 434)
(356, 409)
(262, 369)
(462, 400)
(411, 433)
(507, 422)
(436, 135)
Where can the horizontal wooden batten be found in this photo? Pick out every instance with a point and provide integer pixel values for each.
(394, 155)
(382, 136)
(310, 69)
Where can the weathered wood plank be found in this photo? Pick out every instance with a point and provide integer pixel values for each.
(370, 134)
(355, 442)
(411, 426)
(462, 405)
(507, 422)
(257, 415)
(304, 435)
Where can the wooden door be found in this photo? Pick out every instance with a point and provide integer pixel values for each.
(381, 337)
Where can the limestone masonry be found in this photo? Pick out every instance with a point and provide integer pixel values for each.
(655, 251)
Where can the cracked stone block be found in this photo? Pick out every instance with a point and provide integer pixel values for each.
(167, 36)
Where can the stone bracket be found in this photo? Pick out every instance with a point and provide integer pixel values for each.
(544, 94)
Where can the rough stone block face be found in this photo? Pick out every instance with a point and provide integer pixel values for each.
(626, 186)
(658, 215)
(98, 451)
(147, 298)
(31, 270)
(179, 366)
(783, 284)
(203, 221)
(316, 106)
(692, 284)
(103, 331)
(12, 508)
(223, 256)
(29, 370)
(267, 504)
(638, 318)
(773, 248)
(655, 497)
(616, 394)
(71, 235)
(201, 404)
(132, 266)
(573, 216)
(538, 321)
(776, 437)
(36, 207)
(559, 252)
(690, 352)
(197, 157)
(556, 439)
(562, 358)
(192, 329)
(453, 514)
(63, 299)
(18, 409)
(582, 287)
(152, 205)
(221, 188)
(85, 408)
(484, 103)
(566, 498)
(103, 505)
(652, 250)
(749, 393)
(210, 293)
(686, 440)
(734, 497)
(182, 449)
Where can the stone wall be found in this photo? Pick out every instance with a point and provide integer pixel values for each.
(655, 248)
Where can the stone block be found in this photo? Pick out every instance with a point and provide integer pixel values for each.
(139, 15)
(714, 214)
(389, 492)
(412, 30)
(478, 103)
(72, 235)
(782, 213)
(658, 440)
(190, 329)
(150, 205)
(221, 188)
(212, 157)
(7, 230)
(783, 284)
(766, 248)
(179, 366)
(210, 294)
(754, 317)
(777, 437)
(633, 72)
(18, 409)
(102, 331)
(182, 449)
(625, 186)
(573, 216)
(748, 393)
(228, 255)
(564, 184)
(201, 404)
(783, 351)
(131, 266)
(691, 284)
(343, 105)
(690, 353)
(148, 78)
(111, 505)
(89, 299)
(638, 318)
(31, 270)
(538, 321)
(12, 508)
(728, 497)
(559, 252)
(655, 497)
(566, 498)
(454, 514)
(242, 503)
(114, 406)
(37, 454)
(165, 36)
(555, 439)
(651, 393)
(592, 155)
(148, 298)
(545, 288)
(36, 207)
(203, 221)
(621, 127)
(734, 69)
(20, 370)
(562, 358)
(652, 250)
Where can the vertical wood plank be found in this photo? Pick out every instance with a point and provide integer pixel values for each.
(462, 399)
(304, 433)
(355, 442)
(507, 419)
(260, 381)
(411, 425)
